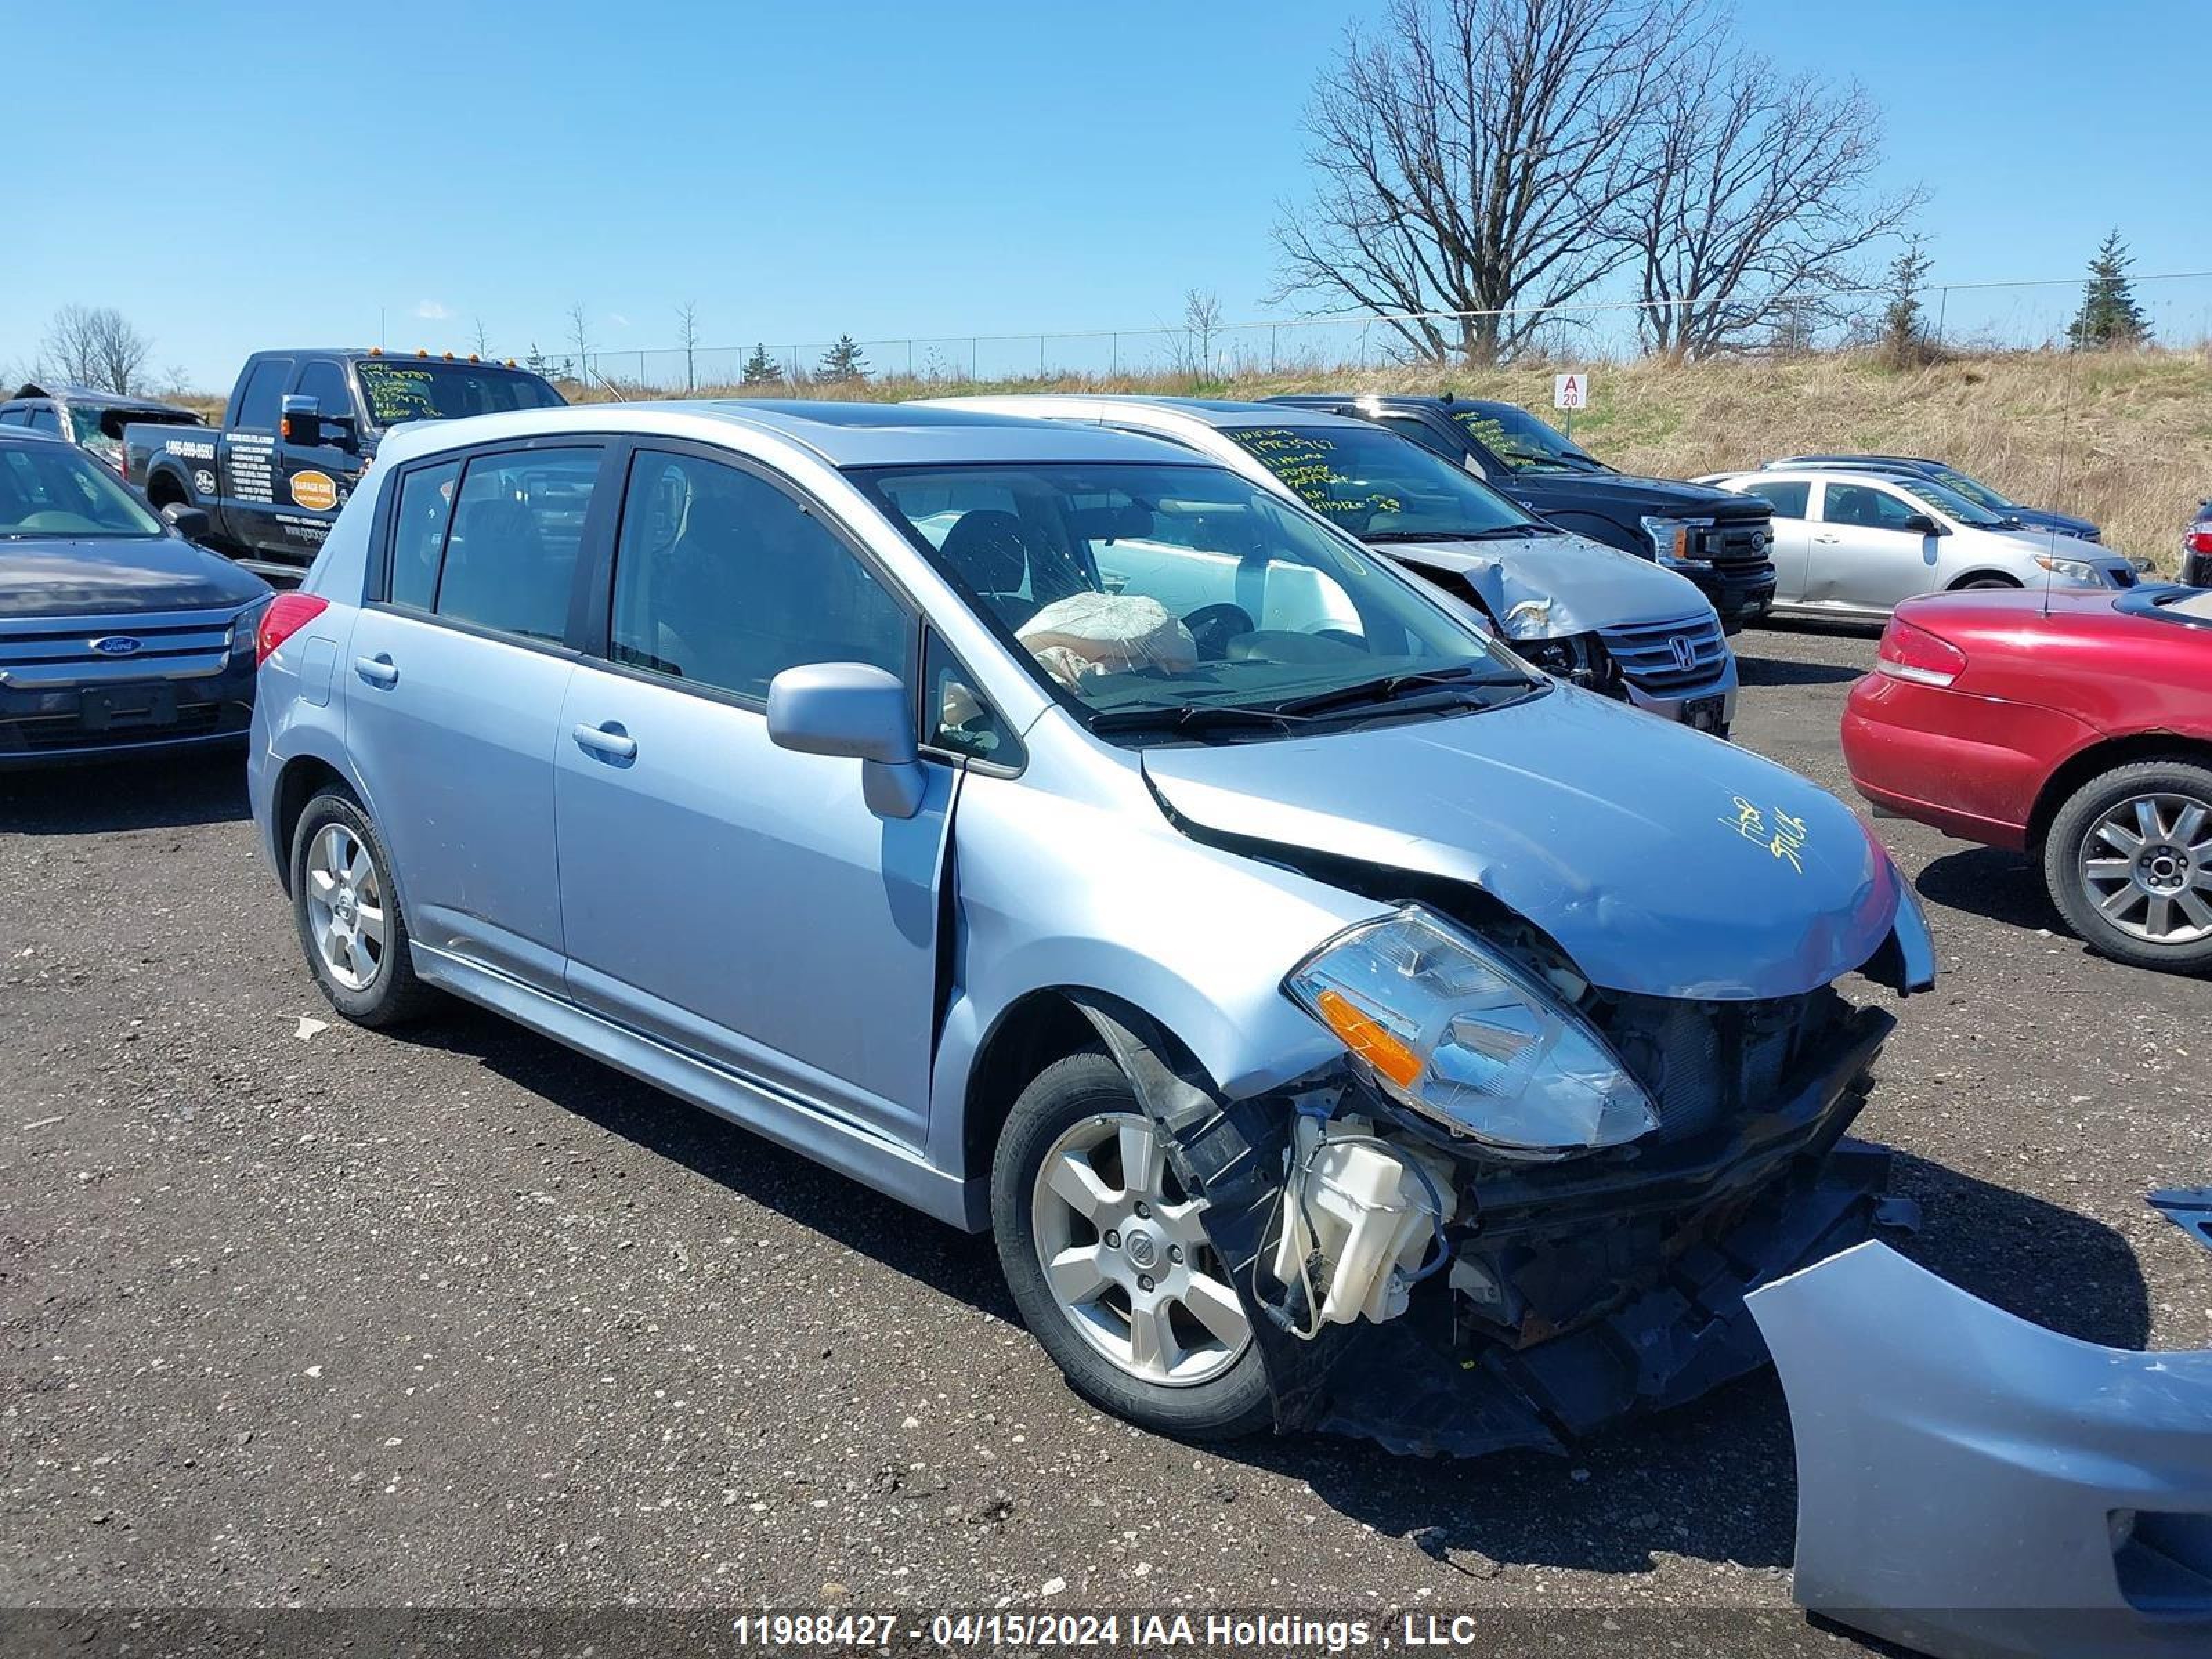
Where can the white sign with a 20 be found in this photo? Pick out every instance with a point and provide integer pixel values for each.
(1569, 390)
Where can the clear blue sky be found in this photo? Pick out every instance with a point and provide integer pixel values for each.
(234, 175)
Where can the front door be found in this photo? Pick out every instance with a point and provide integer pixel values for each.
(734, 899)
(246, 458)
(454, 684)
(1864, 557)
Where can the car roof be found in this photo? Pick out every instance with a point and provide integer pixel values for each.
(32, 434)
(1221, 413)
(65, 391)
(841, 434)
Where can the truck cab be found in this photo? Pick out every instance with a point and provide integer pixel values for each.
(301, 429)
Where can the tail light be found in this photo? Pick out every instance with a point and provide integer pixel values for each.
(2199, 538)
(287, 613)
(1913, 654)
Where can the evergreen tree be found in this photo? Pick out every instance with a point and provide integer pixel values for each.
(843, 362)
(761, 369)
(2109, 315)
(1903, 325)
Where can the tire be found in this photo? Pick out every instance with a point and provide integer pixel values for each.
(1144, 1356)
(347, 915)
(2128, 863)
(1983, 584)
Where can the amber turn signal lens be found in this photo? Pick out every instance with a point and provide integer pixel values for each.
(1370, 1039)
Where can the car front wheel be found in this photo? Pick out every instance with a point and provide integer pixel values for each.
(2129, 862)
(1109, 1262)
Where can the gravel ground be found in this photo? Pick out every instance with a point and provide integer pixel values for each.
(462, 1318)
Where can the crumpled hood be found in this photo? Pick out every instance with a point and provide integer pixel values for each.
(1647, 850)
(128, 576)
(1590, 585)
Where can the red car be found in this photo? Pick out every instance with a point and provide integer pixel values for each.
(2075, 727)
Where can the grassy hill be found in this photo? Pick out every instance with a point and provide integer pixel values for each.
(2124, 438)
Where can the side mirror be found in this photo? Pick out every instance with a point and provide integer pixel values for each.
(858, 711)
(304, 422)
(189, 522)
(1921, 524)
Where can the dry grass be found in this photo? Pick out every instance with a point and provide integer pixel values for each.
(2124, 438)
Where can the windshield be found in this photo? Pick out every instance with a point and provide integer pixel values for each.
(1525, 443)
(1972, 489)
(1946, 500)
(1177, 598)
(399, 389)
(1381, 487)
(84, 427)
(52, 489)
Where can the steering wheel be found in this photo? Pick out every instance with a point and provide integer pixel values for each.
(1214, 625)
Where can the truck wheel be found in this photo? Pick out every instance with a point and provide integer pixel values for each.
(348, 917)
(1109, 1264)
(2128, 863)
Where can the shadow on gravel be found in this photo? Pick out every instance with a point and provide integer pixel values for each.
(1715, 1482)
(954, 1263)
(1783, 671)
(1989, 882)
(147, 793)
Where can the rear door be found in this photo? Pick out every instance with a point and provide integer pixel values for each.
(247, 458)
(1862, 557)
(735, 899)
(454, 681)
(313, 478)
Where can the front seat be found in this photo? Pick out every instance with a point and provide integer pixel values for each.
(988, 549)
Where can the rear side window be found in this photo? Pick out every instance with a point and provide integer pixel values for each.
(723, 581)
(263, 398)
(425, 508)
(510, 560)
(1787, 499)
(45, 420)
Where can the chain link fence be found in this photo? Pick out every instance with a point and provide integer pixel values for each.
(1969, 317)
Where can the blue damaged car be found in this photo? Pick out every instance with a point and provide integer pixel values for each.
(1338, 1024)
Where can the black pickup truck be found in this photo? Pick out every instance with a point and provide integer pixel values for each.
(301, 428)
(1717, 540)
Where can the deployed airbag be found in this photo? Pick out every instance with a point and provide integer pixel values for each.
(1973, 1484)
(1107, 634)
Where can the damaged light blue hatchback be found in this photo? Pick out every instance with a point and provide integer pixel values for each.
(1338, 1024)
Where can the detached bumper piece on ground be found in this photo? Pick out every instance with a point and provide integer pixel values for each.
(1974, 1485)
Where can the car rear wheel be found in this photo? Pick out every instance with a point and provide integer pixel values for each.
(348, 918)
(1110, 1264)
(2128, 861)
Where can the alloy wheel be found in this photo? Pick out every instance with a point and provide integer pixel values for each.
(2146, 864)
(1125, 1257)
(345, 908)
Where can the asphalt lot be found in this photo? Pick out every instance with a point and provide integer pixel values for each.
(462, 1318)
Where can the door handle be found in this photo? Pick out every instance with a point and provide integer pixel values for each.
(609, 741)
(378, 670)
(1827, 541)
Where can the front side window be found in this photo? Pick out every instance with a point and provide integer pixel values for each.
(1863, 507)
(510, 560)
(1381, 489)
(1524, 443)
(723, 581)
(1175, 597)
(47, 489)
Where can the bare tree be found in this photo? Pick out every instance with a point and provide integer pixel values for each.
(482, 339)
(1201, 321)
(687, 336)
(96, 346)
(1755, 199)
(1473, 155)
(580, 336)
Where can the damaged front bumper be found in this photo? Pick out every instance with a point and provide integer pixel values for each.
(1580, 1293)
(1975, 1486)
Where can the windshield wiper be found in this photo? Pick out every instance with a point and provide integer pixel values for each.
(1189, 717)
(1491, 533)
(1384, 689)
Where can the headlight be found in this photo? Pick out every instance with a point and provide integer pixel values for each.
(1467, 1037)
(243, 624)
(1670, 541)
(2074, 570)
(1531, 619)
